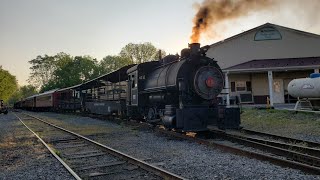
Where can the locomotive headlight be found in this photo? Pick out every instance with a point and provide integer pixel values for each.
(208, 82)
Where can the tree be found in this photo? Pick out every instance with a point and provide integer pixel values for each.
(42, 68)
(112, 63)
(139, 53)
(8, 84)
(62, 70)
(27, 90)
(71, 71)
(21, 93)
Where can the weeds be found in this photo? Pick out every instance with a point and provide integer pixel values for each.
(57, 152)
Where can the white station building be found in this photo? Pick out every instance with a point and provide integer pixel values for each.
(260, 62)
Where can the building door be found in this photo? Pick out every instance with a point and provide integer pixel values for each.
(278, 91)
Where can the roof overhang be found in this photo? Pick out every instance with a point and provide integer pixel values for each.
(113, 77)
(292, 68)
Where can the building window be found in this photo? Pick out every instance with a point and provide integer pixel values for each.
(240, 86)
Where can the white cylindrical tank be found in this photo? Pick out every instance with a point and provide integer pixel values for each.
(305, 88)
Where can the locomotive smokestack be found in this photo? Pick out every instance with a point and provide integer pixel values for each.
(194, 48)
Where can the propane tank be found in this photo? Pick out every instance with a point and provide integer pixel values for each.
(305, 87)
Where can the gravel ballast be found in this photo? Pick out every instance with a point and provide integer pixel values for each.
(23, 156)
(188, 159)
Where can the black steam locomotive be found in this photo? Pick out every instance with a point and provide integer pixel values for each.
(180, 92)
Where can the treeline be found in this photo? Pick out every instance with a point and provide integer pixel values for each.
(8, 84)
(10, 92)
(63, 70)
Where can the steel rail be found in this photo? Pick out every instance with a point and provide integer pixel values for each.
(297, 148)
(68, 168)
(275, 160)
(148, 167)
(292, 155)
(285, 139)
(289, 144)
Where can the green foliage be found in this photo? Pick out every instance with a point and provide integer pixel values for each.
(72, 71)
(42, 68)
(8, 84)
(27, 91)
(63, 70)
(139, 53)
(22, 92)
(112, 63)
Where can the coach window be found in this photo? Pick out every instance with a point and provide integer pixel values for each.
(142, 77)
(133, 85)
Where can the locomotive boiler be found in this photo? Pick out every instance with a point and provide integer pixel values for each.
(179, 92)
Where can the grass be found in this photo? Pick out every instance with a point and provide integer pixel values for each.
(57, 152)
(281, 122)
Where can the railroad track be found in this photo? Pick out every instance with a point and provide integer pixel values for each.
(281, 138)
(297, 153)
(88, 159)
(279, 150)
(284, 154)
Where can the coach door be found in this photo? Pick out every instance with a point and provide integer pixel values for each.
(134, 88)
(278, 91)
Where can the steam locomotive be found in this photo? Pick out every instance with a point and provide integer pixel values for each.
(180, 92)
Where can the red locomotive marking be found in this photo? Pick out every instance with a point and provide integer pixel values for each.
(210, 82)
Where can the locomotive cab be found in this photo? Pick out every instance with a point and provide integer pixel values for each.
(136, 82)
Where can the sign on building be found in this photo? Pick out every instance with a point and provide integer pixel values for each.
(267, 33)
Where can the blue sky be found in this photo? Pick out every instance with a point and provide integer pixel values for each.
(102, 27)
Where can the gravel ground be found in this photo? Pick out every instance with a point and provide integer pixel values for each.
(190, 160)
(23, 156)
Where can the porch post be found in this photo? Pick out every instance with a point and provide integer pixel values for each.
(226, 86)
(316, 70)
(270, 80)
